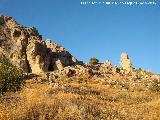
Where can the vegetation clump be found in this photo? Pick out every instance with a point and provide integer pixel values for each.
(11, 77)
(155, 86)
(93, 61)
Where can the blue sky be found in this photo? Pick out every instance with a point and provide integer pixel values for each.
(97, 31)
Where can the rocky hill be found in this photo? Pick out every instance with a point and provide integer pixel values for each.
(62, 88)
(26, 49)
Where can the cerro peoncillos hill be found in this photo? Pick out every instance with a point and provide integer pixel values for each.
(25, 48)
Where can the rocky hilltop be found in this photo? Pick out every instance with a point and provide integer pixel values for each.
(25, 48)
(57, 86)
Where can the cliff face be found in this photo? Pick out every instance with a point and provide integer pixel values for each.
(26, 49)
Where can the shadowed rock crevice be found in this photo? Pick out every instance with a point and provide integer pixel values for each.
(28, 66)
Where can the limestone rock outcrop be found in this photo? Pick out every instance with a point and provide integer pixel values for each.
(25, 48)
(125, 62)
(69, 71)
(101, 69)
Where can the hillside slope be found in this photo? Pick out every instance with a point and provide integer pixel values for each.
(59, 87)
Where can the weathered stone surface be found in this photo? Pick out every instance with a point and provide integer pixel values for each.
(125, 62)
(156, 77)
(26, 49)
(101, 69)
(58, 65)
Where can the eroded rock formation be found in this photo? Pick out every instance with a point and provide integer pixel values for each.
(125, 62)
(26, 49)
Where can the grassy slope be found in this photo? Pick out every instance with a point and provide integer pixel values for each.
(83, 99)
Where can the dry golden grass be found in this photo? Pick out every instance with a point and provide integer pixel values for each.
(84, 99)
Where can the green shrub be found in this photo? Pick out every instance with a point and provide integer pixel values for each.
(155, 86)
(93, 61)
(11, 77)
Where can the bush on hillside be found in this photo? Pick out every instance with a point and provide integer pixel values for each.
(155, 86)
(11, 77)
(93, 61)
